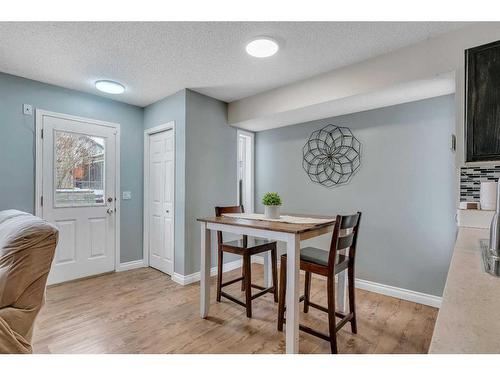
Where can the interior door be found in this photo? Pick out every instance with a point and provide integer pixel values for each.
(161, 201)
(78, 195)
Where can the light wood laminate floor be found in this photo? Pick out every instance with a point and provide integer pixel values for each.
(143, 311)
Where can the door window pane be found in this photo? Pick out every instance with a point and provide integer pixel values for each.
(79, 169)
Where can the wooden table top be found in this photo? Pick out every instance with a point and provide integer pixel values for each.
(275, 226)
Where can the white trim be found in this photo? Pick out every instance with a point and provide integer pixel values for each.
(185, 280)
(195, 277)
(147, 133)
(118, 199)
(405, 294)
(252, 169)
(131, 265)
(38, 161)
(386, 290)
(160, 128)
(40, 113)
(371, 286)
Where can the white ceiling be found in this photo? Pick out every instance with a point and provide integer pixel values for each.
(154, 60)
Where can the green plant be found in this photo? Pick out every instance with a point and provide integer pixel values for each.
(271, 199)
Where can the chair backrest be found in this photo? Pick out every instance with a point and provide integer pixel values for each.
(27, 247)
(345, 235)
(219, 211)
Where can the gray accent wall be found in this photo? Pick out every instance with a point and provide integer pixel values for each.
(173, 108)
(211, 153)
(404, 189)
(17, 148)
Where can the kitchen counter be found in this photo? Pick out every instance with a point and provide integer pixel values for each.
(468, 320)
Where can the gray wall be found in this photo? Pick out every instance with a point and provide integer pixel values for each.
(17, 148)
(210, 156)
(210, 169)
(205, 152)
(404, 189)
(173, 108)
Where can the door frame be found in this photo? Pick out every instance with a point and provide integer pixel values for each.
(251, 136)
(147, 133)
(40, 114)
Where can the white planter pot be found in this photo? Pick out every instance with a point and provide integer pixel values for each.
(272, 212)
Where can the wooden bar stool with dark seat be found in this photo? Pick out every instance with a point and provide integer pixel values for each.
(240, 247)
(328, 264)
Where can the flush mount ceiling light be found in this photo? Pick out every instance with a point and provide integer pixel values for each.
(110, 87)
(262, 47)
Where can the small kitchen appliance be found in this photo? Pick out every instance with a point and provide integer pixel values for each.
(488, 195)
(491, 253)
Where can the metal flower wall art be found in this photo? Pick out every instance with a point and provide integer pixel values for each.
(331, 155)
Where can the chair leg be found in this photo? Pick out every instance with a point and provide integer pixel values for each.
(219, 273)
(307, 291)
(331, 313)
(274, 266)
(248, 282)
(282, 286)
(352, 300)
(243, 281)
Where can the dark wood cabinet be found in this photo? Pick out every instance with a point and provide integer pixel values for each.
(482, 101)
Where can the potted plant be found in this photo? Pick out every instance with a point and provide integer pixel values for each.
(272, 203)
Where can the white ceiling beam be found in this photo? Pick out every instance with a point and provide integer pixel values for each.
(368, 84)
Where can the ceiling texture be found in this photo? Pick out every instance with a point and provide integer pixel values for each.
(154, 60)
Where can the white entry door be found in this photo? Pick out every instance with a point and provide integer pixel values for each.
(160, 185)
(78, 170)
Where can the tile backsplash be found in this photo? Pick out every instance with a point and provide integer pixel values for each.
(470, 180)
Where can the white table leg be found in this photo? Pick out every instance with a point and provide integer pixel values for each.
(268, 276)
(205, 270)
(342, 291)
(292, 293)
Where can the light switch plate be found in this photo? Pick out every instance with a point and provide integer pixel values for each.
(126, 195)
(28, 109)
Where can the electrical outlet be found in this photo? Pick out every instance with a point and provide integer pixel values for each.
(126, 195)
(28, 109)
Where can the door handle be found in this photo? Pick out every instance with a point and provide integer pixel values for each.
(109, 211)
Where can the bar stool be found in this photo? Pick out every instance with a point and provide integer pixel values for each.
(240, 247)
(328, 264)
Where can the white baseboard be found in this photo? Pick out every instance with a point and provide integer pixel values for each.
(387, 290)
(131, 265)
(195, 277)
(404, 294)
(185, 280)
(371, 286)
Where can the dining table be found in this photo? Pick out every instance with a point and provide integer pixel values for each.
(291, 233)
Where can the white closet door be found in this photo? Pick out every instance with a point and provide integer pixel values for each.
(161, 201)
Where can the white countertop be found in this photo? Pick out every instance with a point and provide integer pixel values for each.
(469, 317)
